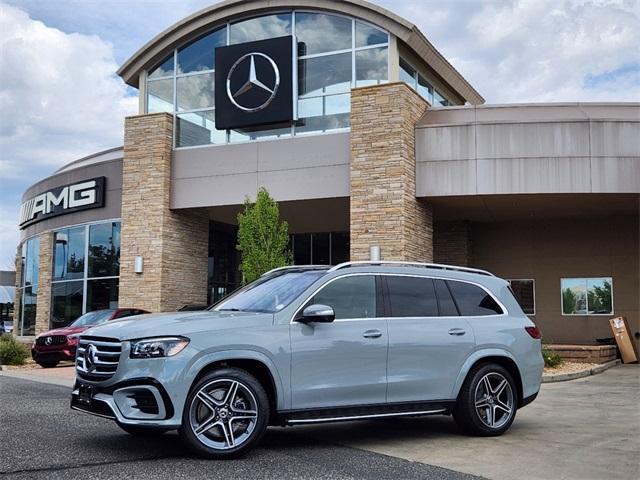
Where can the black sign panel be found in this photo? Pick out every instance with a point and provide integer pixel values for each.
(62, 200)
(254, 83)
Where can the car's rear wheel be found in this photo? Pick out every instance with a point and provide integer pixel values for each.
(487, 401)
(48, 364)
(225, 415)
(141, 431)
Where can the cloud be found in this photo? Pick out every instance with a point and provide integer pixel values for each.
(59, 100)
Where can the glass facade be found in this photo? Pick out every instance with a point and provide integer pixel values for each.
(335, 54)
(415, 80)
(86, 268)
(29, 286)
(329, 248)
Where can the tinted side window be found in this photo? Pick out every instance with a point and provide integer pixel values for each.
(473, 300)
(412, 297)
(445, 300)
(350, 297)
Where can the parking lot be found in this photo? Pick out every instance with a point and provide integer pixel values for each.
(583, 429)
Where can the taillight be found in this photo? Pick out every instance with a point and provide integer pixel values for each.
(534, 332)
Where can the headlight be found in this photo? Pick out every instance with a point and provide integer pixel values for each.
(158, 347)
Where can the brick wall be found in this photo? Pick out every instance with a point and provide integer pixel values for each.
(17, 302)
(173, 244)
(452, 243)
(45, 267)
(384, 209)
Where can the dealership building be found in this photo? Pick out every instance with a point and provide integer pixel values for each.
(367, 137)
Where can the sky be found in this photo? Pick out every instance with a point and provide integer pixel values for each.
(60, 98)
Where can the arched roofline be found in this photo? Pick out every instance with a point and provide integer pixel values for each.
(202, 21)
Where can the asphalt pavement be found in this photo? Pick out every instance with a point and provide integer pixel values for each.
(40, 437)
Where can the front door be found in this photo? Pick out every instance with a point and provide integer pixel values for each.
(343, 362)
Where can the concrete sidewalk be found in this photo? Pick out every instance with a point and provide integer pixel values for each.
(64, 375)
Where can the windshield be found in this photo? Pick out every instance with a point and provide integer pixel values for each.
(93, 318)
(272, 293)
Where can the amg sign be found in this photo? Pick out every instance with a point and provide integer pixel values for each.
(62, 200)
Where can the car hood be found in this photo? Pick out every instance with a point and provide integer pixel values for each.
(63, 331)
(178, 323)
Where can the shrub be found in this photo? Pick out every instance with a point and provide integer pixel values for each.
(12, 352)
(551, 359)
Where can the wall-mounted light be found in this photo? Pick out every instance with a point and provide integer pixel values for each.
(137, 265)
(374, 253)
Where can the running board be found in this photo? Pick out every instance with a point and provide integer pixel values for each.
(364, 417)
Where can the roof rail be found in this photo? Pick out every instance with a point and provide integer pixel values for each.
(296, 267)
(411, 264)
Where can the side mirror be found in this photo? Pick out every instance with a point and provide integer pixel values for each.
(318, 314)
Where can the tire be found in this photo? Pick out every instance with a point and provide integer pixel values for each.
(48, 364)
(481, 415)
(140, 431)
(231, 408)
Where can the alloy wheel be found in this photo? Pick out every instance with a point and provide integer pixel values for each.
(494, 400)
(223, 414)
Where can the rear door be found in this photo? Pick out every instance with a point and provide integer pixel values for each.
(428, 339)
(343, 362)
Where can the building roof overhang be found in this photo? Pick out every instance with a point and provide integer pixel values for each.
(202, 21)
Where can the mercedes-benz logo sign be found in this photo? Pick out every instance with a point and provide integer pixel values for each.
(48, 341)
(252, 83)
(90, 358)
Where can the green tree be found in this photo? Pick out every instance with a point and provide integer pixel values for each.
(263, 239)
(568, 302)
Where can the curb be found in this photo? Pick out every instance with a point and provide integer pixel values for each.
(563, 377)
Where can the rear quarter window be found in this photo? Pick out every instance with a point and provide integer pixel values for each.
(472, 300)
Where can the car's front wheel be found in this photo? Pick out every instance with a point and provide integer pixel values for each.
(226, 414)
(487, 401)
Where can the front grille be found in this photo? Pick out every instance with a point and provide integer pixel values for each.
(97, 358)
(51, 340)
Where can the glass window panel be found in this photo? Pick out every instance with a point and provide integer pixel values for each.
(473, 300)
(369, 35)
(160, 96)
(321, 32)
(339, 247)
(23, 258)
(600, 296)
(66, 302)
(102, 294)
(310, 107)
(523, 291)
(439, 100)
(412, 297)
(334, 104)
(69, 253)
(260, 28)
(29, 298)
(31, 249)
(200, 55)
(163, 70)
(195, 91)
(322, 124)
(425, 89)
(302, 249)
(574, 296)
(445, 300)
(104, 250)
(198, 128)
(371, 66)
(350, 297)
(407, 74)
(328, 74)
(320, 249)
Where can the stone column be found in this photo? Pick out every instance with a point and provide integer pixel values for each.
(45, 268)
(452, 243)
(174, 244)
(384, 207)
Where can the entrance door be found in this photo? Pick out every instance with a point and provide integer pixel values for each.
(343, 362)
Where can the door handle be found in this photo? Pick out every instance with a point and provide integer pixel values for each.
(372, 334)
(457, 331)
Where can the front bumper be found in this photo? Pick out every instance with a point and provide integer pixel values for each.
(62, 354)
(138, 401)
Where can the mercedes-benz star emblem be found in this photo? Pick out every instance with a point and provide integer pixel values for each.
(253, 82)
(90, 358)
(48, 341)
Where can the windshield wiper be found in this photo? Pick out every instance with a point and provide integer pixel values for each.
(229, 310)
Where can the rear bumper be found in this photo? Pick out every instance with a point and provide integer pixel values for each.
(527, 400)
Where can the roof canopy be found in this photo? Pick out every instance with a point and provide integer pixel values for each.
(204, 20)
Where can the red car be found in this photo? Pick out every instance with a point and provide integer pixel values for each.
(60, 344)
